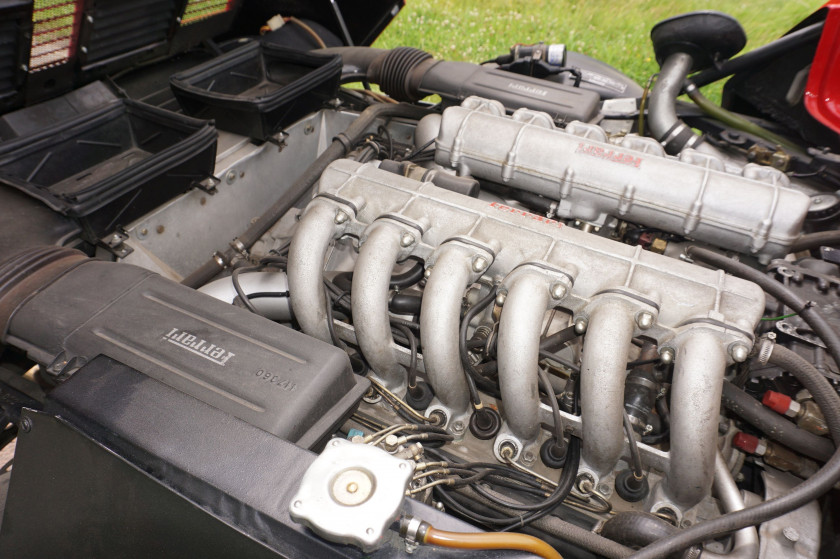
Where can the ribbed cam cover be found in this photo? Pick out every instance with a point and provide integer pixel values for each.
(692, 195)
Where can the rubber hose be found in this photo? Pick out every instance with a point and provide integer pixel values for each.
(774, 425)
(561, 529)
(816, 240)
(637, 529)
(737, 121)
(408, 278)
(344, 280)
(336, 150)
(809, 314)
(810, 489)
(557, 340)
(490, 540)
(405, 304)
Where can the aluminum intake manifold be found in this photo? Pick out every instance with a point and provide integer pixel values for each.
(754, 212)
(701, 317)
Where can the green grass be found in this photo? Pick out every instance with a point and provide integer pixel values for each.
(617, 32)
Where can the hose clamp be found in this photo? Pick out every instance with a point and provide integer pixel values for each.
(412, 529)
(219, 259)
(239, 247)
(765, 349)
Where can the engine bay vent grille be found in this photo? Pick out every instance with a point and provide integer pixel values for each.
(8, 55)
(54, 26)
(198, 10)
(128, 25)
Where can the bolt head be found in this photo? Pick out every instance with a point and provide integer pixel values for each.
(644, 320)
(666, 355)
(231, 176)
(739, 352)
(529, 457)
(580, 325)
(500, 298)
(427, 273)
(341, 217)
(790, 534)
(406, 240)
(458, 426)
(558, 290)
(479, 264)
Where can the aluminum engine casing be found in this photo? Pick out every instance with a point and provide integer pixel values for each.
(702, 317)
(756, 212)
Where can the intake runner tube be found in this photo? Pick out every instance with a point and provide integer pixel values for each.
(695, 407)
(379, 252)
(519, 352)
(309, 246)
(455, 267)
(602, 373)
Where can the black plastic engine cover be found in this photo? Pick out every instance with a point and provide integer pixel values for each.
(270, 376)
(122, 465)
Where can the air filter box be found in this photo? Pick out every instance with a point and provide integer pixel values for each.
(284, 382)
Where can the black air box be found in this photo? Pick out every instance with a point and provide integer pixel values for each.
(258, 89)
(111, 165)
(268, 375)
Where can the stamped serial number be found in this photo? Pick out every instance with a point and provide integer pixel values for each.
(276, 380)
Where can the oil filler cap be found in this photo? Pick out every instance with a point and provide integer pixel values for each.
(352, 493)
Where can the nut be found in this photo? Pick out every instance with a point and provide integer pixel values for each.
(406, 240)
(739, 352)
(580, 325)
(558, 290)
(644, 319)
(479, 264)
(666, 355)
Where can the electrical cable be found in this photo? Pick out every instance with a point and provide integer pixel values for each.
(555, 408)
(478, 307)
(318, 40)
(635, 457)
(412, 344)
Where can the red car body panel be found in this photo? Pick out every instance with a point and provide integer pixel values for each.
(822, 93)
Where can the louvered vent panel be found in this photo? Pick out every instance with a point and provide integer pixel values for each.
(54, 26)
(198, 10)
(8, 54)
(121, 26)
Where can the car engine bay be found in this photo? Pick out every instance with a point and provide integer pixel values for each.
(479, 310)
